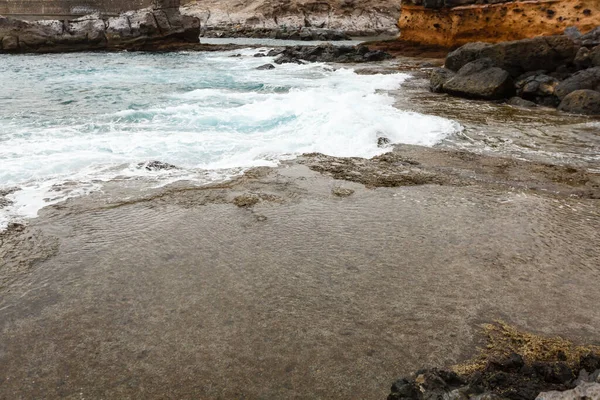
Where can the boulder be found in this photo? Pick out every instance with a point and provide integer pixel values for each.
(539, 88)
(586, 79)
(438, 77)
(581, 102)
(582, 58)
(591, 38)
(519, 56)
(456, 59)
(480, 80)
(265, 67)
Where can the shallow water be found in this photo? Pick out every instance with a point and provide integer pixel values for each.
(70, 122)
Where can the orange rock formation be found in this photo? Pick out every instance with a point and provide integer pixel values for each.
(452, 27)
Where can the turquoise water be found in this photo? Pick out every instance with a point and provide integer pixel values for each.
(83, 119)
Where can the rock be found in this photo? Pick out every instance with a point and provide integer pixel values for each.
(479, 81)
(246, 200)
(584, 391)
(591, 38)
(586, 79)
(404, 389)
(438, 77)
(456, 59)
(582, 58)
(595, 56)
(156, 165)
(589, 362)
(342, 192)
(143, 29)
(512, 363)
(516, 57)
(519, 102)
(539, 88)
(266, 67)
(330, 53)
(382, 141)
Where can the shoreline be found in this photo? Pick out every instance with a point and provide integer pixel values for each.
(322, 277)
(429, 250)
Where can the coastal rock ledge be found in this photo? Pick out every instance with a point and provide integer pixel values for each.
(153, 28)
(554, 71)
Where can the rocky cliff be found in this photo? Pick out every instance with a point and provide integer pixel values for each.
(146, 29)
(353, 17)
(452, 23)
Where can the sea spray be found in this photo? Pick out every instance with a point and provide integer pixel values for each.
(88, 118)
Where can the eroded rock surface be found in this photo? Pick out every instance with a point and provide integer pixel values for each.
(146, 29)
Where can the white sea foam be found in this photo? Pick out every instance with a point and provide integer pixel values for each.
(96, 121)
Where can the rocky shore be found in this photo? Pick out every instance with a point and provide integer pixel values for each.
(556, 71)
(161, 27)
(514, 365)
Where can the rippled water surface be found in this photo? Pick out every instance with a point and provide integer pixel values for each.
(70, 122)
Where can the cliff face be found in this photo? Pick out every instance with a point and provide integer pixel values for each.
(354, 17)
(452, 23)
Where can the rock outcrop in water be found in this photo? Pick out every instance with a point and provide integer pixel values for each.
(152, 28)
(328, 53)
(558, 71)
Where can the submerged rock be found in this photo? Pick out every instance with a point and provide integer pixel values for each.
(266, 67)
(520, 102)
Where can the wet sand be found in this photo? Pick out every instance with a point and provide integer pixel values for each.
(322, 278)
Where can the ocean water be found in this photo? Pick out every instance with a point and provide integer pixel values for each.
(70, 122)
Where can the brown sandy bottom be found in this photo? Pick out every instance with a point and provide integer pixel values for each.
(323, 278)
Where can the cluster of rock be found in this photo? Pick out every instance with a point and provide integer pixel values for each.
(506, 379)
(325, 53)
(559, 71)
(303, 33)
(145, 29)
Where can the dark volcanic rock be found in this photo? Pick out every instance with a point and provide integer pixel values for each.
(464, 55)
(502, 379)
(480, 80)
(539, 89)
(595, 56)
(266, 67)
(145, 29)
(330, 53)
(581, 102)
(438, 77)
(518, 56)
(591, 38)
(586, 79)
(589, 362)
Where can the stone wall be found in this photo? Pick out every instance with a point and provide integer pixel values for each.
(51, 9)
(452, 23)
